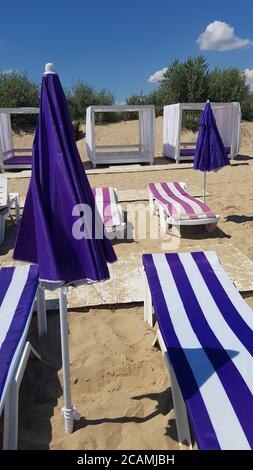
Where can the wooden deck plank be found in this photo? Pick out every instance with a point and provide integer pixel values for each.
(94, 294)
(125, 284)
(135, 281)
(123, 295)
(77, 296)
(132, 195)
(236, 264)
(128, 168)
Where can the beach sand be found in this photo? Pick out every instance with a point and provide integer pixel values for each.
(119, 381)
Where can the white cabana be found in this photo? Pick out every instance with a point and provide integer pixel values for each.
(228, 119)
(13, 158)
(141, 152)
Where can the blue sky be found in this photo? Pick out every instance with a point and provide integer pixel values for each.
(119, 44)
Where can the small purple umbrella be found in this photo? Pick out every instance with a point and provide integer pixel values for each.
(58, 189)
(210, 153)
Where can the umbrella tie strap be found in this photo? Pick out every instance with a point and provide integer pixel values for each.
(70, 414)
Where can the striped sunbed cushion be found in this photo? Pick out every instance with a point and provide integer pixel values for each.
(179, 204)
(107, 204)
(207, 328)
(18, 287)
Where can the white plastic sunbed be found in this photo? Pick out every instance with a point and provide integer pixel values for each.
(110, 210)
(206, 336)
(177, 207)
(19, 287)
(7, 201)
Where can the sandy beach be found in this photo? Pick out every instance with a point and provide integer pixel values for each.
(119, 381)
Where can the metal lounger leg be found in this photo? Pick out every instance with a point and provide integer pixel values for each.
(41, 312)
(14, 199)
(182, 422)
(2, 228)
(163, 220)
(176, 231)
(10, 440)
(17, 209)
(148, 313)
(151, 203)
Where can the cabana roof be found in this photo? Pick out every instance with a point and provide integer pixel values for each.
(200, 106)
(120, 108)
(26, 110)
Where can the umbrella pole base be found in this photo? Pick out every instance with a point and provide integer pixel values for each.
(70, 414)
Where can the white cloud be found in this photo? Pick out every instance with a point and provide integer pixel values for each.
(8, 71)
(249, 78)
(158, 76)
(220, 36)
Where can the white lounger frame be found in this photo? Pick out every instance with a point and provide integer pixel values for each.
(11, 152)
(182, 421)
(10, 438)
(121, 227)
(9, 200)
(165, 220)
(117, 228)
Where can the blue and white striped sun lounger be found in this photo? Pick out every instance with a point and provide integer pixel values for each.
(18, 288)
(206, 334)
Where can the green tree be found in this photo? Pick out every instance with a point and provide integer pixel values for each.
(79, 98)
(190, 81)
(230, 85)
(185, 82)
(105, 98)
(173, 89)
(196, 72)
(135, 99)
(16, 90)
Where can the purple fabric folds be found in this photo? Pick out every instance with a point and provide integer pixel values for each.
(57, 185)
(210, 153)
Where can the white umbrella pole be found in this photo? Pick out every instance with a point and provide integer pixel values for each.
(68, 411)
(204, 187)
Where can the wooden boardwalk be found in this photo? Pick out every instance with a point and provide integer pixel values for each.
(132, 195)
(125, 169)
(126, 286)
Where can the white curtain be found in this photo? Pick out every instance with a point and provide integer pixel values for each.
(171, 124)
(5, 133)
(88, 133)
(228, 120)
(147, 127)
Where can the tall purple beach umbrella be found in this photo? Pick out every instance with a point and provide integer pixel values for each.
(210, 153)
(58, 186)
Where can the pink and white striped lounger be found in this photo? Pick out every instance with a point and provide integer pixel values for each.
(206, 336)
(177, 207)
(109, 208)
(18, 289)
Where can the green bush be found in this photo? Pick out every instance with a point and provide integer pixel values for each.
(188, 81)
(16, 90)
(191, 81)
(230, 85)
(81, 96)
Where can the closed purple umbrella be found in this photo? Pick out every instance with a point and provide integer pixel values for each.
(210, 153)
(58, 193)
